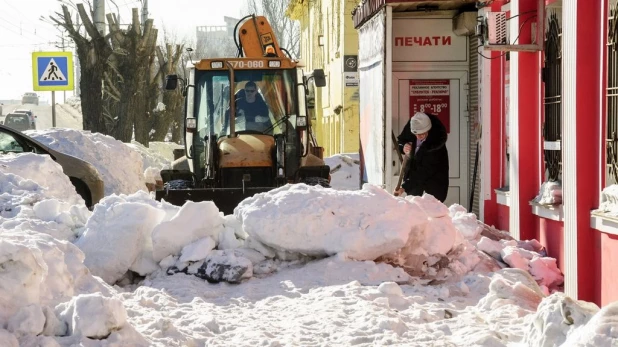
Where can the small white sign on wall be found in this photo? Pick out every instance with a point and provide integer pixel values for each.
(427, 40)
(351, 79)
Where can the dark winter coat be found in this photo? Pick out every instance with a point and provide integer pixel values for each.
(427, 170)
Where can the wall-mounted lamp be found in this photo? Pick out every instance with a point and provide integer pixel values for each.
(321, 40)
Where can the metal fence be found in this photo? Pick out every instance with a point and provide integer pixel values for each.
(552, 76)
(611, 140)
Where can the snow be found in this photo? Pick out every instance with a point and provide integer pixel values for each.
(344, 169)
(609, 201)
(120, 165)
(549, 194)
(299, 265)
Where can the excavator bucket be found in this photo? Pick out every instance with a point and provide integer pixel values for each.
(226, 199)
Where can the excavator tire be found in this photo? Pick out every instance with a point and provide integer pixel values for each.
(315, 181)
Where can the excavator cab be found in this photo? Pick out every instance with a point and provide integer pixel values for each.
(247, 128)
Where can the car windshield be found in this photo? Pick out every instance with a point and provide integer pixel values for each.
(263, 98)
(16, 119)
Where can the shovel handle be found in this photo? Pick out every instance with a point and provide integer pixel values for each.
(401, 171)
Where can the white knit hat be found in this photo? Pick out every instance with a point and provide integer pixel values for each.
(420, 123)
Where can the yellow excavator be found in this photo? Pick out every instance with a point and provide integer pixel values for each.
(247, 124)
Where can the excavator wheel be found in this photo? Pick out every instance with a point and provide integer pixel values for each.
(315, 181)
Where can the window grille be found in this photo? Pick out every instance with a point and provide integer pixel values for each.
(552, 76)
(611, 140)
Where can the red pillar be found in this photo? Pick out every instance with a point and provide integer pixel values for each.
(528, 161)
(490, 207)
(588, 119)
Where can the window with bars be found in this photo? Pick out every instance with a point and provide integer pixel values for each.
(611, 141)
(552, 77)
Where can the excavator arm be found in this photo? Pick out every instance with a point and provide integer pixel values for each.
(257, 38)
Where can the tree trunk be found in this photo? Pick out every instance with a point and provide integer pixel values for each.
(91, 89)
(165, 121)
(129, 74)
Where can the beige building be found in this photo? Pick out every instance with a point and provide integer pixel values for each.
(329, 41)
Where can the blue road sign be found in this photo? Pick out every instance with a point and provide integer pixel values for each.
(52, 70)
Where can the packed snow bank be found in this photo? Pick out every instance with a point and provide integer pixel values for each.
(39, 269)
(119, 164)
(40, 169)
(36, 195)
(124, 224)
(555, 318)
(318, 221)
(291, 223)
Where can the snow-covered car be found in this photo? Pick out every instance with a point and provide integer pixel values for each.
(18, 121)
(30, 98)
(30, 115)
(83, 175)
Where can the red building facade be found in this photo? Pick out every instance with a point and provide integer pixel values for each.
(549, 140)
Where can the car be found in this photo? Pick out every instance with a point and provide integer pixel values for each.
(30, 115)
(18, 121)
(84, 176)
(30, 98)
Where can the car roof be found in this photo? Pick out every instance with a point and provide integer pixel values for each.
(21, 110)
(30, 138)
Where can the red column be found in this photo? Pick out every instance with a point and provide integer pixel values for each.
(588, 117)
(490, 207)
(528, 163)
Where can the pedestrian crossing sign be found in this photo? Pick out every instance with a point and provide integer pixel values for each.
(52, 71)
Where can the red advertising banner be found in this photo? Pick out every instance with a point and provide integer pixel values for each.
(431, 96)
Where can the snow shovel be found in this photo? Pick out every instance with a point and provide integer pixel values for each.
(401, 171)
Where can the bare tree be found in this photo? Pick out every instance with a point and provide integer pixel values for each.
(93, 52)
(168, 118)
(128, 78)
(121, 78)
(286, 29)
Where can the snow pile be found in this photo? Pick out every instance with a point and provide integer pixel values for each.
(609, 201)
(557, 317)
(40, 169)
(152, 158)
(600, 330)
(119, 164)
(528, 256)
(124, 224)
(297, 223)
(320, 221)
(35, 195)
(344, 171)
(47, 291)
(549, 194)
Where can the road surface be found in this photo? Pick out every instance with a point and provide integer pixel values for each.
(66, 115)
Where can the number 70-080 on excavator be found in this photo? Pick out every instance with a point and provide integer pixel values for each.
(247, 124)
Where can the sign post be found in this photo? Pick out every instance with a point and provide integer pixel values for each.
(52, 71)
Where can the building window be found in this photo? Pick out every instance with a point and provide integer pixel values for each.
(552, 78)
(611, 140)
